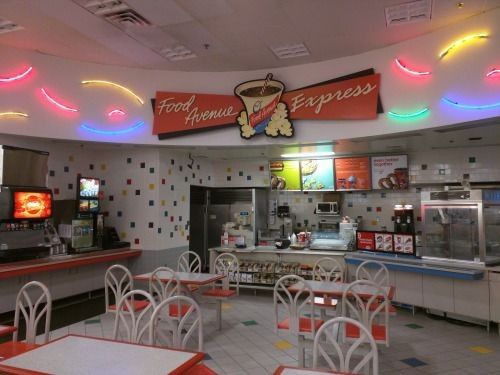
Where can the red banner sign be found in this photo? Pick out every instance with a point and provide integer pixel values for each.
(178, 114)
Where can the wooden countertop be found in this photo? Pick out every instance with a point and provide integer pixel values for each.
(58, 262)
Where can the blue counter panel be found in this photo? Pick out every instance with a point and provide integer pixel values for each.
(462, 274)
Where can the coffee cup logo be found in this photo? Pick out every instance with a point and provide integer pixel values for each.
(263, 111)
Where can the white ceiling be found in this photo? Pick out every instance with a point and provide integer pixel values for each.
(224, 34)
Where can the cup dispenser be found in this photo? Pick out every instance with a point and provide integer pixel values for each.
(403, 219)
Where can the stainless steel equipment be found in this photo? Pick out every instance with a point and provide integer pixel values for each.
(462, 225)
(328, 240)
(23, 167)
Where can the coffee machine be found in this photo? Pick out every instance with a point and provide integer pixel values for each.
(403, 219)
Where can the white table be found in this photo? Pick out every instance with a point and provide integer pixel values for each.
(287, 370)
(336, 289)
(79, 355)
(189, 278)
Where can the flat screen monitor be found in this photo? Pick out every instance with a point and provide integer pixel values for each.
(32, 204)
(88, 187)
(88, 206)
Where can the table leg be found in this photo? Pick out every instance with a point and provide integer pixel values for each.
(301, 351)
(219, 314)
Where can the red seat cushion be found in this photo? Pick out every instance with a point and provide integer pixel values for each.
(138, 305)
(173, 310)
(378, 332)
(325, 302)
(200, 369)
(304, 324)
(6, 330)
(374, 305)
(13, 348)
(224, 293)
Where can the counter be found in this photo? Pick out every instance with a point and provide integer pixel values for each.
(64, 275)
(261, 266)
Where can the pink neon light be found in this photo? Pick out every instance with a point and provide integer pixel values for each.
(493, 72)
(116, 112)
(404, 68)
(53, 101)
(18, 77)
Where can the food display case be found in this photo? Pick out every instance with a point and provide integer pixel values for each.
(462, 226)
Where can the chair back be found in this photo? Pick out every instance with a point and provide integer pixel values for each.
(33, 302)
(136, 323)
(373, 271)
(367, 302)
(185, 264)
(328, 269)
(345, 358)
(293, 304)
(176, 331)
(227, 264)
(163, 289)
(119, 281)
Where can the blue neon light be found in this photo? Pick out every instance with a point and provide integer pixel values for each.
(465, 106)
(113, 132)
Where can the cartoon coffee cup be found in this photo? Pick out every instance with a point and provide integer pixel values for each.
(260, 100)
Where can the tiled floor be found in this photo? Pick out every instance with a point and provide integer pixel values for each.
(248, 344)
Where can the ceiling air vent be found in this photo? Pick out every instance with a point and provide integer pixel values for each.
(290, 50)
(7, 26)
(116, 11)
(177, 53)
(420, 10)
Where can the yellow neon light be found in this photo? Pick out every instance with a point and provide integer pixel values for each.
(21, 114)
(458, 43)
(115, 85)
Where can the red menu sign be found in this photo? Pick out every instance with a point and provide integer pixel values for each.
(352, 173)
(365, 240)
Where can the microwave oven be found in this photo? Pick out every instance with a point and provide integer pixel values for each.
(327, 208)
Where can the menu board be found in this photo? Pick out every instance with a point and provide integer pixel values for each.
(317, 174)
(387, 242)
(285, 175)
(352, 173)
(390, 172)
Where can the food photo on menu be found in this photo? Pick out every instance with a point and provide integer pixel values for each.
(352, 173)
(404, 243)
(389, 172)
(317, 174)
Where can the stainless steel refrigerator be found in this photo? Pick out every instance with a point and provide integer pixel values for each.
(211, 208)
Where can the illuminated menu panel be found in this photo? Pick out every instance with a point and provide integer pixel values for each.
(352, 173)
(390, 172)
(317, 174)
(285, 175)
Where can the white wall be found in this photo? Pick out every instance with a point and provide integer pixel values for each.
(460, 76)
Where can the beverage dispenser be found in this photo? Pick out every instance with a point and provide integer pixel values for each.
(403, 219)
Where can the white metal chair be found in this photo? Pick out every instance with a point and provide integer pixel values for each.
(378, 273)
(136, 323)
(225, 264)
(118, 280)
(294, 306)
(33, 303)
(327, 269)
(185, 264)
(367, 302)
(161, 290)
(352, 358)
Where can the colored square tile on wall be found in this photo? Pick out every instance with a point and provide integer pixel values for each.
(111, 198)
(240, 173)
(132, 224)
(151, 186)
(228, 178)
(71, 158)
(349, 204)
(169, 172)
(185, 179)
(171, 234)
(175, 203)
(124, 192)
(180, 168)
(383, 195)
(368, 209)
(183, 198)
(424, 167)
(378, 209)
(151, 203)
(119, 213)
(129, 181)
(103, 167)
(52, 173)
(143, 165)
(136, 241)
(472, 159)
(137, 192)
(159, 230)
(56, 191)
(228, 170)
(91, 167)
(172, 161)
(123, 235)
(151, 225)
(66, 169)
(129, 160)
(162, 202)
(103, 182)
(163, 181)
(261, 168)
(70, 186)
(249, 178)
(172, 187)
(151, 170)
(165, 213)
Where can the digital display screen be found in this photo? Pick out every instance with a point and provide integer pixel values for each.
(89, 187)
(32, 205)
(88, 205)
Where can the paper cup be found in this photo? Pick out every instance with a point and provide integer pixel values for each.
(259, 106)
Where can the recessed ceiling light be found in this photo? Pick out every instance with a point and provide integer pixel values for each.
(178, 53)
(7, 26)
(308, 154)
(290, 50)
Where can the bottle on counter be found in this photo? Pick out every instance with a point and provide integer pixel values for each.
(293, 238)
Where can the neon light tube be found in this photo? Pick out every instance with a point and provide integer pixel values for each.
(21, 114)
(459, 42)
(17, 77)
(114, 85)
(466, 106)
(493, 72)
(113, 132)
(408, 115)
(404, 68)
(116, 112)
(308, 154)
(56, 103)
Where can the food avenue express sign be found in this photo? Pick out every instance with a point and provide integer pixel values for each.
(263, 106)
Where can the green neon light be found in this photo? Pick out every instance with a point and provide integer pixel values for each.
(407, 116)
